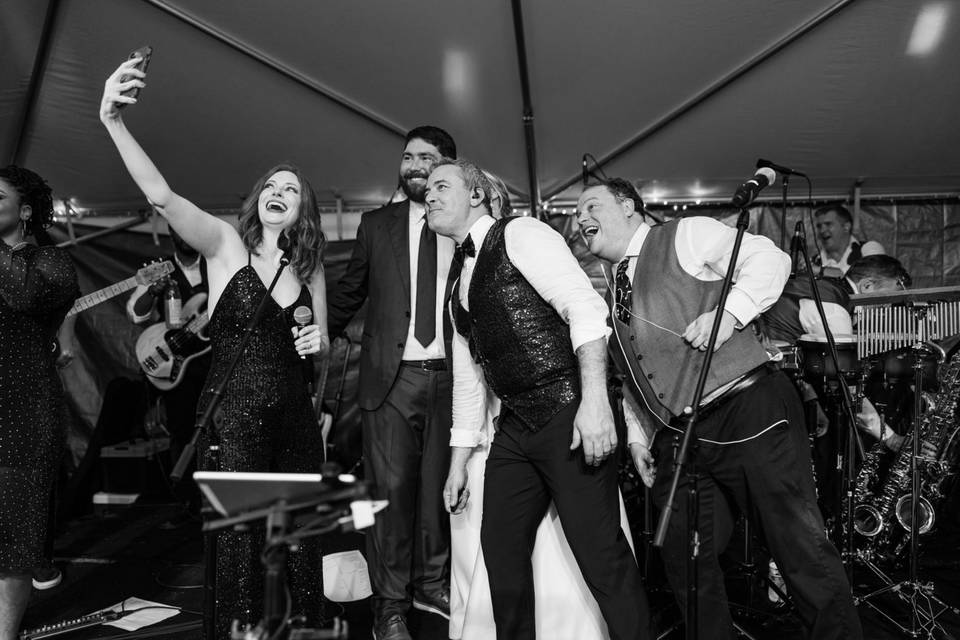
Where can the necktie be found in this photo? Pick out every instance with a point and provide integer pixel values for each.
(467, 248)
(425, 320)
(623, 292)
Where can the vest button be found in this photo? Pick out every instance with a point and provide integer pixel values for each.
(660, 395)
(650, 375)
(408, 314)
(639, 356)
(632, 338)
(399, 345)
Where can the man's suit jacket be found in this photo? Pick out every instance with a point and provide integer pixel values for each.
(379, 272)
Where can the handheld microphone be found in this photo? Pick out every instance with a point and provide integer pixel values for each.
(302, 315)
(782, 170)
(748, 191)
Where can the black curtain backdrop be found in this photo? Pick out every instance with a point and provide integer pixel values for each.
(925, 236)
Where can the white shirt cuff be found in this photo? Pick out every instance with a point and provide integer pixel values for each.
(465, 438)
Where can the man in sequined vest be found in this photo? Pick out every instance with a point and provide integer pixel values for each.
(752, 454)
(531, 328)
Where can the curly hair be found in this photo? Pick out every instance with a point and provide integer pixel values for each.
(35, 192)
(306, 234)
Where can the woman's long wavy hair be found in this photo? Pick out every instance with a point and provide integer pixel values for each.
(305, 235)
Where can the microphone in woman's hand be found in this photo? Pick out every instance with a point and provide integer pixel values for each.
(302, 315)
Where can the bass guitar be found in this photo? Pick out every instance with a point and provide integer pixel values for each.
(146, 276)
(165, 354)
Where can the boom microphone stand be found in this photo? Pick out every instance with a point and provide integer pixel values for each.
(682, 464)
(854, 443)
(211, 413)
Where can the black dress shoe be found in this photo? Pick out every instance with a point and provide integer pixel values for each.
(438, 603)
(391, 628)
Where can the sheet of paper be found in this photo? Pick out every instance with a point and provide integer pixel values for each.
(345, 576)
(146, 613)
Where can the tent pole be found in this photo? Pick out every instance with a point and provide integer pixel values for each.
(126, 224)
(40, 60)
(282, 69)
(709, 91)
(528, 131)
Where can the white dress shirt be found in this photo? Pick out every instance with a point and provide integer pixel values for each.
(868, 248)
(543, 258)
(413, 350)
(703, 247)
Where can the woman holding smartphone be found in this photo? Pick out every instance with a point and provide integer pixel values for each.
(267, 421)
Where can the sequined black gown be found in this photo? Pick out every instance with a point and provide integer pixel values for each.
(266, 424)
(37, 288)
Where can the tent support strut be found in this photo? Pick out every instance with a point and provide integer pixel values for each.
(528, 129)
(709, 91)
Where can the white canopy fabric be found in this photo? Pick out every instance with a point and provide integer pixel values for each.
(683, 94)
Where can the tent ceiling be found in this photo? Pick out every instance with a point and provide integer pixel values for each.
(842, 101)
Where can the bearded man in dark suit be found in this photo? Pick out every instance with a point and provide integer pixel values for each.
(401, 269)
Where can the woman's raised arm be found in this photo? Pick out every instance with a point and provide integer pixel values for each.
(201, 230)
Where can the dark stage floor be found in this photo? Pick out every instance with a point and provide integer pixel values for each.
(126, 553)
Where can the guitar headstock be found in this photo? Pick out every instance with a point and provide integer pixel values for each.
(153, 272)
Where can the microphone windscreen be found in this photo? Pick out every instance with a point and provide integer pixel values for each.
(768, 173)
(302, 315)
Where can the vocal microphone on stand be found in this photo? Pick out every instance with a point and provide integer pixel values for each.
(782, 170)
(302, 315)
(749, 190)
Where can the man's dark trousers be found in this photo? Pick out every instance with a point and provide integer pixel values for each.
(406, 449)
(525, 471)
(769, 478)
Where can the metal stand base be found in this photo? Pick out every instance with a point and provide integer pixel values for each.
(923, 607)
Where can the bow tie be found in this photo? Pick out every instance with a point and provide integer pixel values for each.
(467, 248)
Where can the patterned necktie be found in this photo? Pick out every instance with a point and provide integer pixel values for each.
(425, 321)
(623, 292)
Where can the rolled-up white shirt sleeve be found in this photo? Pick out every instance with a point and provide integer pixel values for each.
(469, 396)
(704, 247)
(543, 257)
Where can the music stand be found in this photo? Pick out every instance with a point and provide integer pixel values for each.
(244, 497)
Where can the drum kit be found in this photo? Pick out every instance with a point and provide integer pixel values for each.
(809, 360)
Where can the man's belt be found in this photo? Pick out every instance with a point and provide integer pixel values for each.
(437, 364)
(748, 380)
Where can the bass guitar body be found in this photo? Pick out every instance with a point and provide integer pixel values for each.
(165, 354)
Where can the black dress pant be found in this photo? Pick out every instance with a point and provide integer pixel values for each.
(769, 478)
(525, 471)
(406, 449)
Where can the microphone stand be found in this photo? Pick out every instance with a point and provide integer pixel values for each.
(211, 413)
(783, 211)
(854, 444)
(688, 446)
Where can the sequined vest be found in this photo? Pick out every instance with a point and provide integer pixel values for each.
(665, 300)
(520, 341)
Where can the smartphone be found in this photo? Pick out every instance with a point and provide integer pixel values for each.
(144, 53)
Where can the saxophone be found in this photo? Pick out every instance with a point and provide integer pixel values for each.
(881, 505)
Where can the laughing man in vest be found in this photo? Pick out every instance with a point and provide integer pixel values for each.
(536, 331)
(752, 453)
